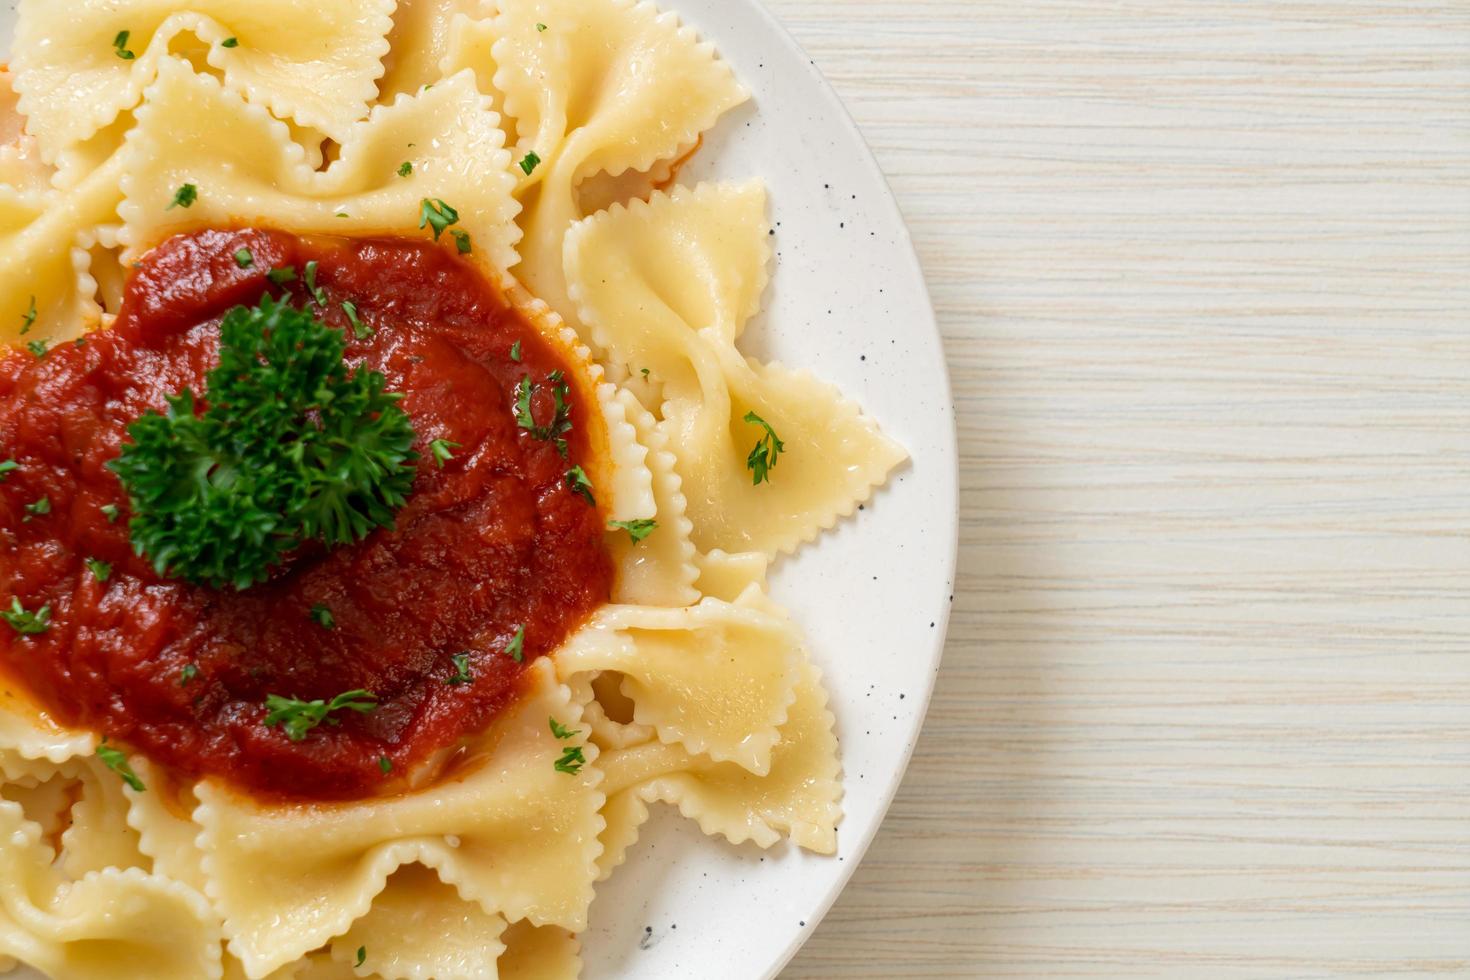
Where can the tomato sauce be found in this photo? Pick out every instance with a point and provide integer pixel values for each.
(492, 542)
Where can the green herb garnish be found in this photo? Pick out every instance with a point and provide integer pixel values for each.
(292, 448)
(637, 530)
(110, 512)
(117, 761)
(323, 617)
(578, 483)
(318, 295)
(360, 330)
(572, 760)
(405, 168)
(38, 348)
(361, 955)
(768, 449)
(516, 648)
(6, 468)
(120, 46)
(462, 241)
(187, 675)
(40, 508)
(283, 275)
(462, 673)
(27, 623)
(184, 197)
(230, 42)
(529, 162)
(540, 28)
(100, 569)
(561, 731)
(385, 764)
(29, 320)
(296, 717)
(438, 215)
(515, 353)
(244, 258)
(442, 450)
(561, 419)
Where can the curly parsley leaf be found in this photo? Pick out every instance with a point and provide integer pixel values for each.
(6, 468)
(578, 483)
(561, 418)
(244, 258)
(434, 213)
(100, 569)
(561, 731)
(516, 648)
(323, 617)
(442, 450)
(187, 675)
(462, 673)
(40, 508)
(360, 330)
(637, 530)
(184, 197)
(111, 512)
(292, 448)
(405, 168)
(768, 449)
(38, 348)
(27, 623)
(117, 761)
(297, 717)
(462, 241)
(120, 46)
(572, 760)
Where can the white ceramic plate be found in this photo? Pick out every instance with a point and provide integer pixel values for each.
(847, 302)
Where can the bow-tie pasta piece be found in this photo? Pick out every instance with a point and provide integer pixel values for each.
(165, 832)
(81, 63)
(421, 38)
(592, 86)
(108, 925)
(540, 953)
(99, 835)
(716, 678)
(30, 734)
(800, 797)
(245, 169)
(511, 831)
(670, 284)
(419, 928)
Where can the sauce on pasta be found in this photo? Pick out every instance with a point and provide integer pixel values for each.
(493, 545)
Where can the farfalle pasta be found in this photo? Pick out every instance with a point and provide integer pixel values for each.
(386, 505)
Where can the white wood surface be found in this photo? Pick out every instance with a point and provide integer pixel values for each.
(1203, 269)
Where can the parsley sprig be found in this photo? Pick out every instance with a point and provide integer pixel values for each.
(637, 530)
(117, 761)
(27, 623)
(292, 448)
(768, 449)
(561, 419)
(297, 717)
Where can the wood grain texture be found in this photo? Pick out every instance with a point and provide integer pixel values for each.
(1203, 270)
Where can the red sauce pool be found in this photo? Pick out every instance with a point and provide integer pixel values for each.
(493, 541)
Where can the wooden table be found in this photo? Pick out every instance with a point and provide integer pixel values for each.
(1203, 270)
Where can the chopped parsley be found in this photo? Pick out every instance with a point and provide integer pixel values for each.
(27, 623)
(385, 764)
(516, 648)
(540, 28)
(110, 512)
(120, 46)
(283, 275)
(184, 197)
(296, 717)
(462, 241)
(318, 295)
(117, 761)
(637, 530)
(561, 731)
(323, 617)
(437, 215)
(361, 955)
(244, 258)
(644, 372)
(768, 449)
(230, 42)
(561, 419)
(292, 448)
(462, 673)
(187, 675)
(442, 450)
(6, 468)
(40, 508)
(29, 319)
(405, 168)
(529, 162)
(100, 569)
(578, 483)
(38, 348)
(360, 330)
(572, 760)
(515, 352)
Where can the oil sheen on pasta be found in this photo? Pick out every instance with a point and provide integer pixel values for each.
(492, 542)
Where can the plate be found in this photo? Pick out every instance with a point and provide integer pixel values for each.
(848, 303)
